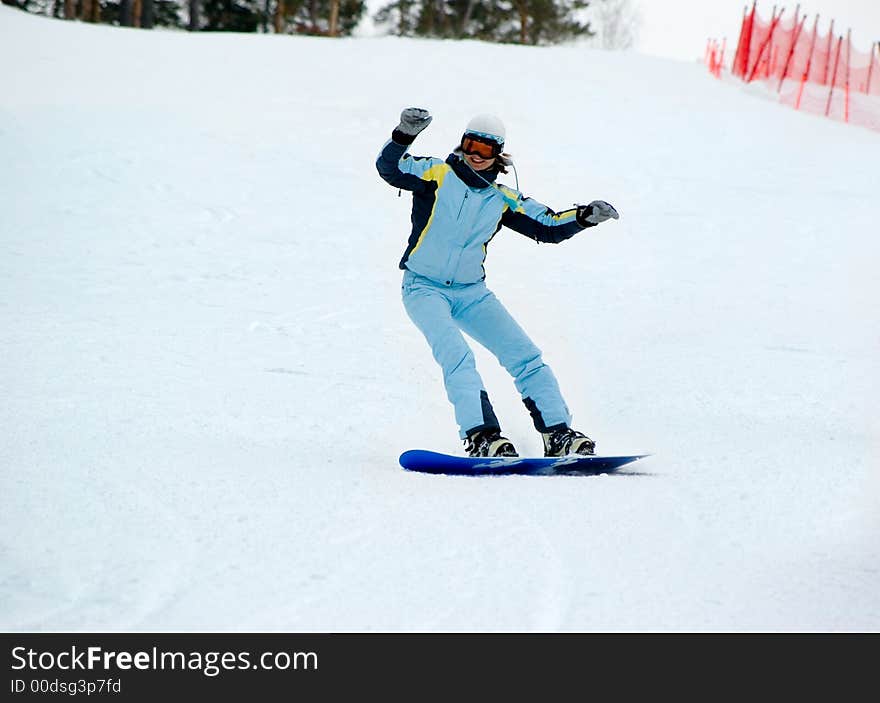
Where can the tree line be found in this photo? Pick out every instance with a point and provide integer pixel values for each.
(513, 21)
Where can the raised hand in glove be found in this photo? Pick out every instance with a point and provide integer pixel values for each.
(596, 212)
(412, 121)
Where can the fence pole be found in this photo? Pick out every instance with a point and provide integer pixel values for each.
(806, 74)
(828, 60)
(797, 36)
(848, 57)
(772, 71)
(871, 67)
(833, 77)
(743, 46)
(764, 45)
(771, 46)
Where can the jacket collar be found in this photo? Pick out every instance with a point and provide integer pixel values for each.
(468, 175)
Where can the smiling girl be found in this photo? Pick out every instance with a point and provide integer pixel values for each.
(458, 207)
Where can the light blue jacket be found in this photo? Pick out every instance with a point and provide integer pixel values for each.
(457, 212)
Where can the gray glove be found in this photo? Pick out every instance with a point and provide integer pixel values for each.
(412, 121)
(596, 212)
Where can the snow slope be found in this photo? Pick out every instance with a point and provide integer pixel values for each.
(207, 374)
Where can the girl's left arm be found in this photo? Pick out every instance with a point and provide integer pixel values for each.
(540, 223)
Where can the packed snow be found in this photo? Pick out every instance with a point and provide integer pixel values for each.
(208, 376)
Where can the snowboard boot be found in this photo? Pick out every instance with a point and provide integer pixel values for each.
(488, 443)
(560, 441)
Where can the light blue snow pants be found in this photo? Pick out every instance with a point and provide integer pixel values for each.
(442, 313)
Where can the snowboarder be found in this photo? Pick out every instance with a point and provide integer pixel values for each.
(457, 208)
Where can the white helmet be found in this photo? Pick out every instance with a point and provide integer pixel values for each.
(487, 126)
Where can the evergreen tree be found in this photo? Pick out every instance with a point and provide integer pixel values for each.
(401, 17)
(195, 14)
(522, 21)
(230, 15)
(549, 21)
(323, 17)
(148, 14)
(90, 11)
(320, 17)
(145, 14)
(126, 13)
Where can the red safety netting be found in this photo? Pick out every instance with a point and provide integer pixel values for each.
(811, 70)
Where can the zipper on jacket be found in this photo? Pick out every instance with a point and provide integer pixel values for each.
(466, 194)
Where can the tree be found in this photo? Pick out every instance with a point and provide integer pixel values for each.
(231, 15)
(618, 22)
(135, 13)
(148, 14)
(550, 21)
(278, 18)
(126, 13)
(521, 21)
(333, 22)
(145, 14)
(90, 11)
(323, 17)
(401, 16)
(194, 15)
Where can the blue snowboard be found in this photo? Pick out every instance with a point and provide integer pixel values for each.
(436, 463)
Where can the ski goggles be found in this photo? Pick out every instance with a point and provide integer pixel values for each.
(485, 148)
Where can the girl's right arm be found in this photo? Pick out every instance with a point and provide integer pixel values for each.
(403, 170)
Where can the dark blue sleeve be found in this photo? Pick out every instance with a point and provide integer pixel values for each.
(388, 165)
(540, 223)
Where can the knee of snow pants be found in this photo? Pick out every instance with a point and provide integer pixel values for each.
(487, 321)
